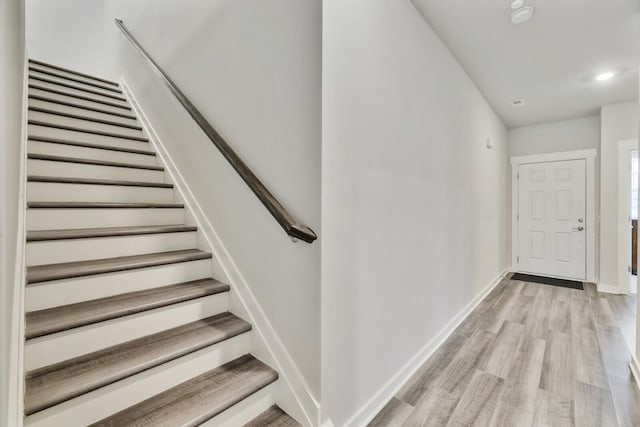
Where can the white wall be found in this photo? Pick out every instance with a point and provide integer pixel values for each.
(68, 33)
(253, 69)
(619, 122)
(414, 207)
(566, 135)
(11, 87)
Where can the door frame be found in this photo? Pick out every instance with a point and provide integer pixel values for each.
(589, 156)
(625, 148)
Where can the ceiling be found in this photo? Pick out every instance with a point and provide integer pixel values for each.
(549, 62)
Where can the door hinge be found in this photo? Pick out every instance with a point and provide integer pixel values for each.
(518, 175)
(518, 259)
(517, 217)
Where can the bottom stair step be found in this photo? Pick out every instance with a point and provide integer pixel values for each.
(199, 399)
(273, 417)
(57, 383)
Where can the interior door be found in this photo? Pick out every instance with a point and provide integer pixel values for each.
(551, 219)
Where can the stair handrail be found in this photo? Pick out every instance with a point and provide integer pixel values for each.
(277, 210)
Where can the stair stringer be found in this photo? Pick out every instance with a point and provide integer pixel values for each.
(293, 394)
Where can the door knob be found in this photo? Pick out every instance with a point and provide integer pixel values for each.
(580, 228)
(580, 220)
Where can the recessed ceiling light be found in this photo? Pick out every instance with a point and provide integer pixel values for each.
(518, 103)
(605, 76)
(522, 15)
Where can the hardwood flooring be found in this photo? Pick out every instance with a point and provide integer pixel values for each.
(529, 355)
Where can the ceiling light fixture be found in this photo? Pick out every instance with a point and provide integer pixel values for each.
(517, 4)
(522, 15)
(605, 76)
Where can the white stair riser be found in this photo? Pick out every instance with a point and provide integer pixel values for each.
(82, 112)
(62, 219)
(67, 74)
(77, 101)
(81, 170)
(245, 410)
(65, 345)
(77, 92)
(39, 296)
(61, 192)
(69, 135)
(64, 150)
(101, 403)
(58, 251)
(84, 124)
(74, 83)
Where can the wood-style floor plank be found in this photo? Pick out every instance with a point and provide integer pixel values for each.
(553, 410)
(594, 406)
(394, 414)
(558, 370)
(529, 355)
(479, 401)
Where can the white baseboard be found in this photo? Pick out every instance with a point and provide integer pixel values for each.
(635, 369)
(608, 289)
(294, 396)
(370, 409)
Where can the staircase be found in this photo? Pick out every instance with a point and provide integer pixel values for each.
(125, 325)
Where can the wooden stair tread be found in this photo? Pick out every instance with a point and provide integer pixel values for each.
(85, 118)
(53, 158)
(84, 107)
(273, 417)
(53, 73)
(67, 270)
(199, 399)
(95, 181)
(57, 67)
(89, 145)
(80, 88)
(58, 319)
(85, 233)
(78, 96)
(102, 205)
(62, 381)
(83, 130)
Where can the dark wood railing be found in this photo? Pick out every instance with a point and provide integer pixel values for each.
(284, 218)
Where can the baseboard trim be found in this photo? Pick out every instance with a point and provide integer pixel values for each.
(370, 409)
(635, 369)
(608, 289)
(306, 408)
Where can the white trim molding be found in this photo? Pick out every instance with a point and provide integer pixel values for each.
(589, 156)
(624, 215)
(294, 395)
(370, 409)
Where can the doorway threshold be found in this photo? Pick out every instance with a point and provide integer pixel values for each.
(548, 281)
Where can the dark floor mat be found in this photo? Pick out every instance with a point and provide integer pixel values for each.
(548, 281)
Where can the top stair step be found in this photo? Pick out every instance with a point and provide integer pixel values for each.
(199, 399)
(66, 70)
(34, 68)
(45, 79)
(62, 381)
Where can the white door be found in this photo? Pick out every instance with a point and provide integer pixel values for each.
(551, 219)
